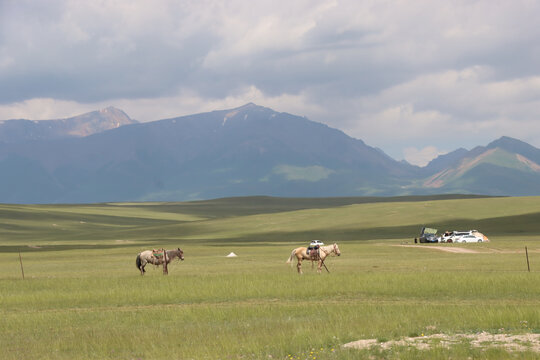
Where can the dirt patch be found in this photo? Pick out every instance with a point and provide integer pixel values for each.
(461, 250)
(515, 343)
(452, 249)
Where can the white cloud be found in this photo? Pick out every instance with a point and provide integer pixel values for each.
(469, 106)
(44, 109)
(396, 74)
(421, 157)
(150, 109)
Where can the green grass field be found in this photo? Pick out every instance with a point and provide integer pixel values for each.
(83, 297)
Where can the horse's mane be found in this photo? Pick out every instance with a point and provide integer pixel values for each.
(328, 248)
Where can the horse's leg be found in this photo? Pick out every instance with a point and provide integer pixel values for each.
(299, 266)
(319, 266)
(143, 264)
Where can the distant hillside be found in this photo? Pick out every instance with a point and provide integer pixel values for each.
(15, 131)
(444, 161)
(517, 147)
(505, 167)
(251, 150)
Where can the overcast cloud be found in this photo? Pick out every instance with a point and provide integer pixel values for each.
(414, 78)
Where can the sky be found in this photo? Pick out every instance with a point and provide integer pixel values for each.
(414, 78)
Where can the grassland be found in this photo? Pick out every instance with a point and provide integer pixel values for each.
(83, 298)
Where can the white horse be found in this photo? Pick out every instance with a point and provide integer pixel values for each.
(157, 257)
(301, 254)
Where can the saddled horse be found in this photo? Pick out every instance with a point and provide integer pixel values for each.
(151, 256)
(301, 254)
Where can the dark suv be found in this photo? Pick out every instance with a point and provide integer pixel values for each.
(427, 235)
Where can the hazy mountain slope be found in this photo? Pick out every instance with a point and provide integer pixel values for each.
(250, 150)
(490, 170)
(14, 131)
(518, 147)
(444, 161)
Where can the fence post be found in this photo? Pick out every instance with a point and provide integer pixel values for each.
(527, 254)
(20, 260)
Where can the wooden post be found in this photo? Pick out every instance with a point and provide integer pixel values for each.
(165, 270)
(22, 269)
(527, 254)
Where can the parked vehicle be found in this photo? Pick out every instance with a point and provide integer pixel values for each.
(471, 238)
(463, 236)
(428, 235)
(452, 236)
(480, 235)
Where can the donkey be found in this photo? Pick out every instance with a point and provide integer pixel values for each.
(157, 257)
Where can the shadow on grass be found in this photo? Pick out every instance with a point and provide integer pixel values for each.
(65, 247)
(503, 226)
(252, 205)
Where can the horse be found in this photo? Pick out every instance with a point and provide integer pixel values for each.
(301, 254)
(149, 256)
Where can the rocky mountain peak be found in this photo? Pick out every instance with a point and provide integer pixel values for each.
(14, 131)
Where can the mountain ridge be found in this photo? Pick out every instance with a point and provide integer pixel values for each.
(246, 151)
(17, 130)
(488, 165)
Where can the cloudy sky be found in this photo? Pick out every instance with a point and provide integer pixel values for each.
(414, 78)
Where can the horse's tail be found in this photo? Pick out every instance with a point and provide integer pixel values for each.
(289, 261)
(138, 261)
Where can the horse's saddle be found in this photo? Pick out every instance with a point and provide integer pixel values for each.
(158, 253)
(313, 252)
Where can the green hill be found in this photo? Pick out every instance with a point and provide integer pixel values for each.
(258, 220)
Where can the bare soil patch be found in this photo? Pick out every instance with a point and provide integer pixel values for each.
(453, 249)
(514, 343)
(462, 250)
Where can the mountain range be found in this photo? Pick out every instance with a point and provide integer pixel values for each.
(104, 156)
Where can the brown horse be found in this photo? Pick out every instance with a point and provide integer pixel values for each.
(151, 256)
(301, 254)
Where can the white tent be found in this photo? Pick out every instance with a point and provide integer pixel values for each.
(232, 255)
